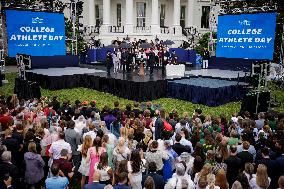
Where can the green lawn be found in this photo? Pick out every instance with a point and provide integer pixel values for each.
(108, 99)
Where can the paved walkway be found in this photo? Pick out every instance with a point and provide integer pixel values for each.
(9, 69)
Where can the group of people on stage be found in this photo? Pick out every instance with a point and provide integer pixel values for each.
(137, 58)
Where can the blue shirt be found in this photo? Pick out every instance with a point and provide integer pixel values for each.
(56, 183)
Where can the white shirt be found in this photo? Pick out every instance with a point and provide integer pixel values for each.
(57, 146)
(79, 126)
(176, 182)
(185, 142)
(103, 172)
(92, 134)
(253, 184)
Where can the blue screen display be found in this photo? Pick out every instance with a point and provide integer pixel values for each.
(248, 36)
(35, 33)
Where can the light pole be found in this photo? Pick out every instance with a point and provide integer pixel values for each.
(73, 16)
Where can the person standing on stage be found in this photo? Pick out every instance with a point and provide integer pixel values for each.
(129, 61)
(206, 56)
(165, 56)
(108, 62)
(151, 61)
(118, 54)
(124, 57)
(115, 60)
(174, 57)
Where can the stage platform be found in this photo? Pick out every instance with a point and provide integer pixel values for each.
(216, 73)
(132, 86)
(207, 91)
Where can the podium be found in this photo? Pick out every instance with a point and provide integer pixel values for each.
(175, 70)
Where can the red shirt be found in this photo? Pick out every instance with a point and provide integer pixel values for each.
(48, 112)
(5, 120)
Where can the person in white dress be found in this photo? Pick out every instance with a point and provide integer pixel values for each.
(136, 166)
(85, 167)
(104, 170)
(115, 60)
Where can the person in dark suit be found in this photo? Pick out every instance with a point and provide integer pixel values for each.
(178, 147)
(158, 179)
(271, 166)
(108, 62)
(7, 169)
(55, 103)
(124, 58)
(129, 61)
(233, 165)
(159, 124)
(151, 61)
(12, 145)
(245, 156)
(96, 182)
(280, 159)
(122, 180)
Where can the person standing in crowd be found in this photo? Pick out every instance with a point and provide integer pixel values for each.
(154, 154)
(260, 179)
(58, 180)
(84, 166)
(233, 165)
(136, 166)
(122, 181)
(8, 169)
(158, 179)
(96, 183)
(34, 167)
(181, 180)
(93, 156)
(206, 56)
(12, 145)
(73, 138)
(104, 169)
(223, 152)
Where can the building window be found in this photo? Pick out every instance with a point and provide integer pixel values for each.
(118, 12)
(182, 16)
(205, 17)
(162, 15)
(98, 15)
(141, 14)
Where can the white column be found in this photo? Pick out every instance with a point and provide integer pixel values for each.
(91, 8)
(155, 28)
(106, 17)
(128, 28)
(106, 12)
(190, 12)
(176, 18)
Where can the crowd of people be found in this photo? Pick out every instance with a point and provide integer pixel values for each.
(45, 143)
(138, 57)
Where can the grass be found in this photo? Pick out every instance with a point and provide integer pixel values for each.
(167, 103)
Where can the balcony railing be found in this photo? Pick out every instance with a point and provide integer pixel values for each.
(189, 31)
(116, 29)
(167, 30)
(88, 30)
(142, 29)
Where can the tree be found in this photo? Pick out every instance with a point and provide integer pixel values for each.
(203, 42)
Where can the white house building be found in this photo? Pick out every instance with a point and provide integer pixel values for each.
(146, 19)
